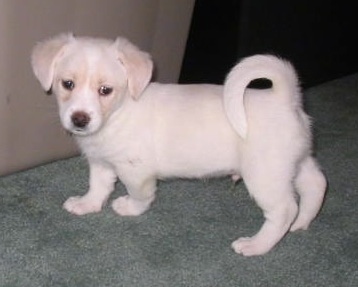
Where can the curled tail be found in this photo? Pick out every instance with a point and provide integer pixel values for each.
(279, 71)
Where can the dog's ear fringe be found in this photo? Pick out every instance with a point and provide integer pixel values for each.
(49, 92)
(139, 66)
(44, 56)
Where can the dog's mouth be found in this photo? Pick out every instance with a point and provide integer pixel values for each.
(82, 132)
(75, 132)
(78, 132)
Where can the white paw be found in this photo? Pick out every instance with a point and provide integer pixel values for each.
(81, 205)
(235, 177)
(127, 206)
(250, 246)
(300, 224)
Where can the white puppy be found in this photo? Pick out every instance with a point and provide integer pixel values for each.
(140, 132)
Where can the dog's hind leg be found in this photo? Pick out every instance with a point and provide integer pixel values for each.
(311, 186)
(275, 196)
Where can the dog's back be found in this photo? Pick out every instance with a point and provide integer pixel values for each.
(193, 137)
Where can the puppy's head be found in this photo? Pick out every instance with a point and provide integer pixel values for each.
(90, 77)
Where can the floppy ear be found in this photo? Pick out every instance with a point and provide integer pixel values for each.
(138, 64)
(44, 57)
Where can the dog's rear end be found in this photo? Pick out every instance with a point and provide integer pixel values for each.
(278, 136)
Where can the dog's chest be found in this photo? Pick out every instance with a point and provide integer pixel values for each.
(102, 148)
(115, 148)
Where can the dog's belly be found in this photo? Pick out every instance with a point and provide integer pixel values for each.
(187, 168)
(195, 157)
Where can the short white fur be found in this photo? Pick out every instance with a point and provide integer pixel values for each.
(143, 131)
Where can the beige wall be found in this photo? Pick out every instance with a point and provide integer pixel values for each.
(30, 133)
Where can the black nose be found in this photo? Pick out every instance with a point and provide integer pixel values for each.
(80, 119)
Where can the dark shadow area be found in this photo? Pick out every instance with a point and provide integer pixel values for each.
(318, 37)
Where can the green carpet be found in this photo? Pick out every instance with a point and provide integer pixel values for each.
(184, 239)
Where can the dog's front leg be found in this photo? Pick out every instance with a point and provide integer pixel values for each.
(102, 179)
(141, 188)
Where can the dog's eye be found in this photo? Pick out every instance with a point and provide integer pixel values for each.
(68, 85)
(105, 91)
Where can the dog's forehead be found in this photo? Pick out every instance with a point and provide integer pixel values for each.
(91, 59)
(89, 53)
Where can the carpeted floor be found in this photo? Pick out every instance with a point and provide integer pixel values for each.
(184, 240)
